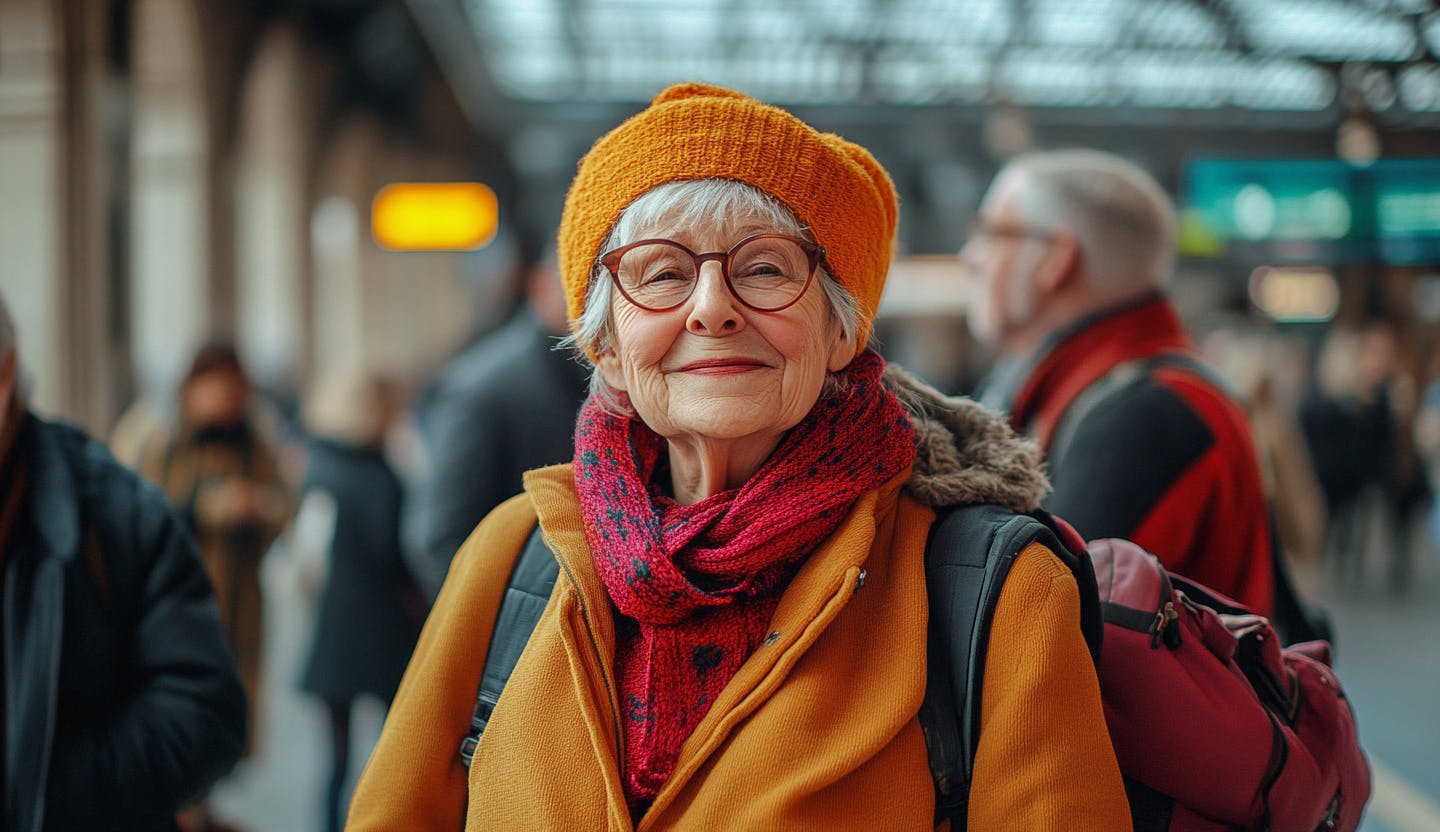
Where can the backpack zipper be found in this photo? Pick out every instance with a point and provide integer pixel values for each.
(1164, 617)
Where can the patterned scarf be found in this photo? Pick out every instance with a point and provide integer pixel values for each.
(696, 585)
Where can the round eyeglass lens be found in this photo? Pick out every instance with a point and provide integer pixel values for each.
(769, 272)
(657, 275)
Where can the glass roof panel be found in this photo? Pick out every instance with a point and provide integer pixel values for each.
(1092, 23)
(1328, 30)
(1177, 25)
(1420, 88)
(1432, 35)
(1267, 54)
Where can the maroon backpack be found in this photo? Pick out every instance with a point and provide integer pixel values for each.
(1215, 725)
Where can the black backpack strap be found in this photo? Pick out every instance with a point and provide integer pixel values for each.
(531, 581)
(967, 558)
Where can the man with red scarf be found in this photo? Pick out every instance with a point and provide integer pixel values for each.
(1069, 255)
(121, 700)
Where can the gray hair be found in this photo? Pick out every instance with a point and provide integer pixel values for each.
(1123, 221)
(688, 203)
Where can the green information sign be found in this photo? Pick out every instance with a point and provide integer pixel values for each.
(1321, 210)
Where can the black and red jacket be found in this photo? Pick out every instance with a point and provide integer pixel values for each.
(1165, 458)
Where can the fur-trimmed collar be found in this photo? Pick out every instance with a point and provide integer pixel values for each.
(966, 453)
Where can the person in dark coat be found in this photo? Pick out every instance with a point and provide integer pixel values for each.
(505, 405)
(370, 609)
(122, 702)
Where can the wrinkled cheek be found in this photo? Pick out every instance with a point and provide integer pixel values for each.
(650, 398)
(800, 395)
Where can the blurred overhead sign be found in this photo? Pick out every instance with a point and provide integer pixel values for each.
(925, 285)
(1316, 210)
(434, 216)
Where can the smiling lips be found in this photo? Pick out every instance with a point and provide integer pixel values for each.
(722, 366)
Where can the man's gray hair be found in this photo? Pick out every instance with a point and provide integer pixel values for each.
(1122, 218)
(689, 203)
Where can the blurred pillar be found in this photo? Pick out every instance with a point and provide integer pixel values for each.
(90, 355)
(272, 230)
(339, 233)
(60, 106)
(226, 33)
(171, 235)
(30, 211)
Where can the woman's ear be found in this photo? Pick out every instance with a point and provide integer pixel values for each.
(611, 371)
(842, 351)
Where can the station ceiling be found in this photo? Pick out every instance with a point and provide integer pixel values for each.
(511, 58)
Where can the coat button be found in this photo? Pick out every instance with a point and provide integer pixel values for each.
(860, 581)
(773, 637)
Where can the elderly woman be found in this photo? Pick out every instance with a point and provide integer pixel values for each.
(737, 638)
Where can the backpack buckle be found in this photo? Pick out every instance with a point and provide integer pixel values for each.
(467, 750)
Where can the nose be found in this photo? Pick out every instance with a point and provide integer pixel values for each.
(713, 310)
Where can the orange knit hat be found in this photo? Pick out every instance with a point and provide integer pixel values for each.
(696, 131)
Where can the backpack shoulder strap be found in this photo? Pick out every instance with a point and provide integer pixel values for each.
(1120, 376)
(967, 558)
(531, 581)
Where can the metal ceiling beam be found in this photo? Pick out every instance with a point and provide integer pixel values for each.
(1230, 23)
(447, 28)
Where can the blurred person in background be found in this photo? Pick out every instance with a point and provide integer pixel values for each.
(222, 475)
(1069, 257)
(1248, 362)
(1330, 418)
(370, 610)
(1359, 422)
(121, 699)
(1427, 441)
(503, 406)
(1390, 400)
(738, 636)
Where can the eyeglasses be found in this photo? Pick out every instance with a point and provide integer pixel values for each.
(766, 272)
(982, 226)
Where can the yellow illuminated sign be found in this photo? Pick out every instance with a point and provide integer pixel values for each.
(434, 216)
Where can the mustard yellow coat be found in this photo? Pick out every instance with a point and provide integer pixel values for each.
(817, 731)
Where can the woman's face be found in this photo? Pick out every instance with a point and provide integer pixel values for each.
(715, 369)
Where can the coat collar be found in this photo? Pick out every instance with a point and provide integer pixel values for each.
(965, 452)
(1084, 353)
(53, 507)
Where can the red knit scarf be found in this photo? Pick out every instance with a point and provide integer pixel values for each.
(696, 585)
